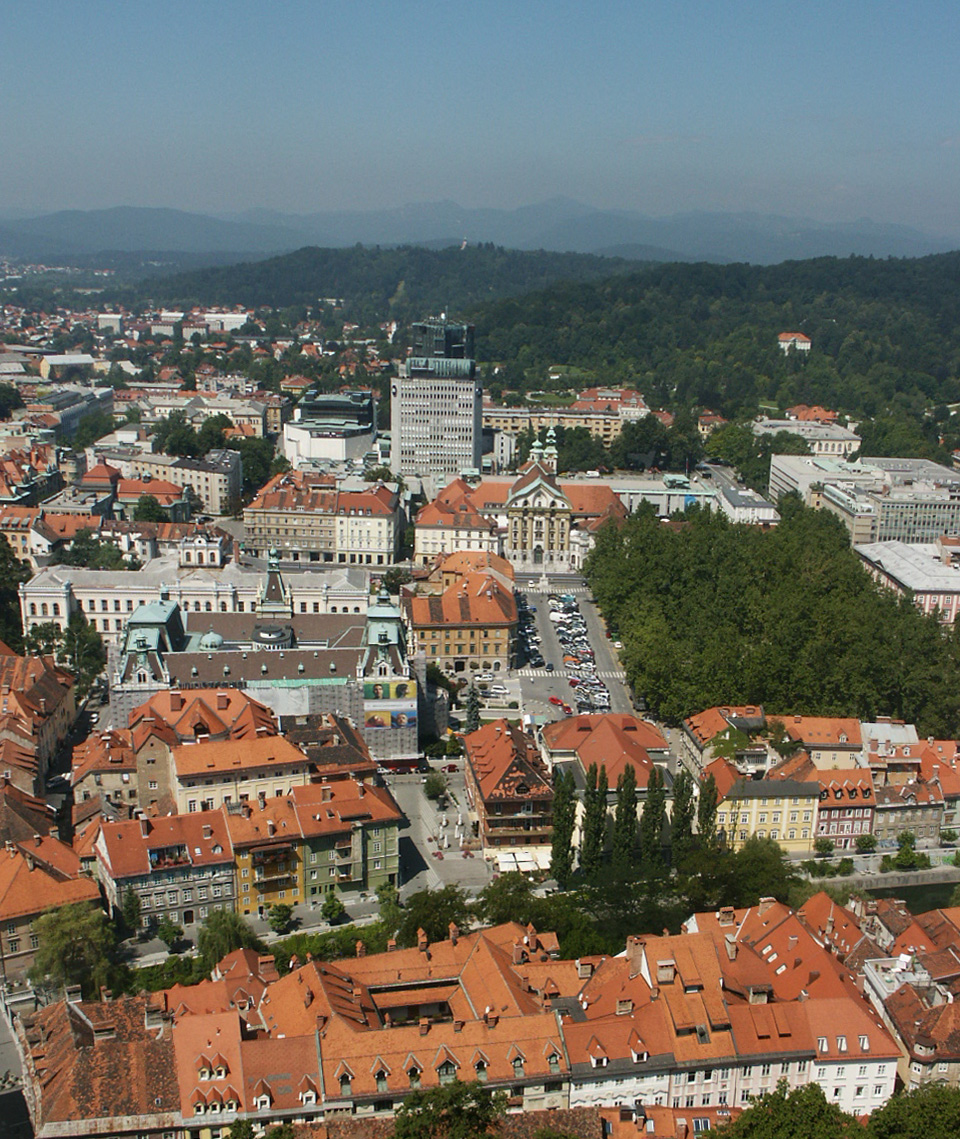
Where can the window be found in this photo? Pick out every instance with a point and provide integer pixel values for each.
(841, 1044)
(414, 1074)
(765, 1069)
(447, 1072)
(701, 1124)
(864, 1043)
(481, 1070)
(381, 1080)
(345, 1085)
(821, 1044)
(518, 1066)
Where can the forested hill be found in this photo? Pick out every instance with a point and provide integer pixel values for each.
(885, 333)
(376, 284)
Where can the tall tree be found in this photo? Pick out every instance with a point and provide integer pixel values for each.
(13, 573)
(473, 709)
(221, 933)
(148, 509)
(803, 1113)
(75, 947)
(707, 813)
(594, 820)
(82, 651)
(929, 1112)
(130, 909)
(625, 820)
(651, 821)
(451, 1111)
(433, 911)
(564, 819)
(681, 819)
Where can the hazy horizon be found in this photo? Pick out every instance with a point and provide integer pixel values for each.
(828, 112)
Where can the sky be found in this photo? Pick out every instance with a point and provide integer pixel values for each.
(832, 111)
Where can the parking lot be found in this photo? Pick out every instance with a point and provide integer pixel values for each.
(600, 686)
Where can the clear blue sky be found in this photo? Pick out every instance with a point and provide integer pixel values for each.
(832, 110)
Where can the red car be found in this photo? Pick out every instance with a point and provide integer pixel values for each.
(567, 710)
(556, 700)
(449, 767)
(574, 681)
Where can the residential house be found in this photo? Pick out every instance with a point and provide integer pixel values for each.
(784, 810)
(508, 786)
(915, 807)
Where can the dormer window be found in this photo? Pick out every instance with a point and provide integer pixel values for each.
(221, 1072)
(599, 1061)
(381, 1080)
(204, 1073)
(864, 1043)
(414, 1074)
(554, 1062)
(481, 1070)
(518, 1067)
(821, 1044)
(262, 1103)
(198, 1108)
(841, 1044)
(447, 1072)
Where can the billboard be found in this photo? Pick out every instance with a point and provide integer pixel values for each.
(375, 690)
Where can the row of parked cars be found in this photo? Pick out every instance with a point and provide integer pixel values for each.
(591, 694)
(527, 634)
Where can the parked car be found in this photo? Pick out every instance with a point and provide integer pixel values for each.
(449, 767)
(556, 700)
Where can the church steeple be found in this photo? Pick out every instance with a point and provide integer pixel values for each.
(549, 462)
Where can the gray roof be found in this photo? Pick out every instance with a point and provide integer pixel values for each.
(773, 789)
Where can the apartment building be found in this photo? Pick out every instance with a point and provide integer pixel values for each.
(307, 518)
(181, 867)
(782, 809)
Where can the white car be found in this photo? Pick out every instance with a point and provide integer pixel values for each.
(484, 676)
(498, 690)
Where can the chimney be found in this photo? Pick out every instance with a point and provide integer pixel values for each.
(424, 1026)
(829, 926)
(422, 941)
(490, 1018)
(391, 944)
(765, 904)
(453, 932)
(37, 840)
(361, 789)
(727, 916)
(730, 944)
(321, 1023)
(519, 953)
(361, 948)
(681, 1129)
(176, 701)
(326, 793)
(271, 827)
(793, 939)
(223, 701)
(458, 1026)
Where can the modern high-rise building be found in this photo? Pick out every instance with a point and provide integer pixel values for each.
(436, 404)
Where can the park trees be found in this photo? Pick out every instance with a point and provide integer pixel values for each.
(651, 822)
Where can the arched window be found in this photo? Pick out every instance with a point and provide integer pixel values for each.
(33, 608)
(43, 609)
(56, 608)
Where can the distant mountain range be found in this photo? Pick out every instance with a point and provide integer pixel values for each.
(559, 225)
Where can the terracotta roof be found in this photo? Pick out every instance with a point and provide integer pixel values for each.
(224, 755)
(824, 730)
(140, 846)
(476, 599)
(27, 888)
(609, 739)
(503, 760)
(212, 712)
(99, 1061)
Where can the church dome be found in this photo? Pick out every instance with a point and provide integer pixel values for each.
(211, 640)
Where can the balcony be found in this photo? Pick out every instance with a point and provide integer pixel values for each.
(271, 875)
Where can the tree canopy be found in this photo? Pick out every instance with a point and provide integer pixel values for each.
(714, 613)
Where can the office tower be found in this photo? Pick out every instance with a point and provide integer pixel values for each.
(436, 404)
